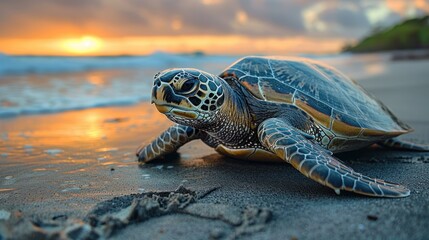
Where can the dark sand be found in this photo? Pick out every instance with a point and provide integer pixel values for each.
(75, 172)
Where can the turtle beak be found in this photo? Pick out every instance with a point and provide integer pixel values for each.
(164, 98)
(156, 85)
(163, 108)
(163, 94)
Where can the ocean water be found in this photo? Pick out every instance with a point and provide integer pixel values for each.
(37, 85)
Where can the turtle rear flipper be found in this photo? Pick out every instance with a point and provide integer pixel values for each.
(398, 144)
(314, 162)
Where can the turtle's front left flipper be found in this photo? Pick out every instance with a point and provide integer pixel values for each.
(168, 142)
(314, 162)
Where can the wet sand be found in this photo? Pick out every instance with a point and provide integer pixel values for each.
(67, 169)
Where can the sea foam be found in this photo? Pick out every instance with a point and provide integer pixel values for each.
(35, 84)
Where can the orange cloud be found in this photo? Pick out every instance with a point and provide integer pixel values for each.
(229, 44)
(213, 26)
(241, 17)
(211, 2)
(409, 7)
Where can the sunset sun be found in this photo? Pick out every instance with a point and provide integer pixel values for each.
(83, 45)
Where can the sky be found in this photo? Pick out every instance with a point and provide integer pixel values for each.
(139, 27)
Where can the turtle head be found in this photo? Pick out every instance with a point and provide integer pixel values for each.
(188, 96)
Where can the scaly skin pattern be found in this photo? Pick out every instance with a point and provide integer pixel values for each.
(316, 163)
(224, 114)
(168, 142)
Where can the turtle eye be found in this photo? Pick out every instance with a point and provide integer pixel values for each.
(188, 86)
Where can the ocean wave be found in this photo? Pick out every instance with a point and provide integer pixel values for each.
(61, 92)
(34, 85)
(18, 65)
(13, 112)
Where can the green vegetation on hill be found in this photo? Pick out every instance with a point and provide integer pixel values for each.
(409, 34)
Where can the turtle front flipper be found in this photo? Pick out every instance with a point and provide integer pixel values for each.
(316, 163)
(168, 142)
(398, 144)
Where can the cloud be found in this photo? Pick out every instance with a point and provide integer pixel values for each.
(354, 19)
(336, 19)
(251, 18)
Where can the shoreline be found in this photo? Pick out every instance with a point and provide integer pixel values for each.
(58, 168)
(90, 160)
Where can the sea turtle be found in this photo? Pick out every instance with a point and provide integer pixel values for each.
(279, 109)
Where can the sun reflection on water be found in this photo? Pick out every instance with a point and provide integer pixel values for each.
(375, 69)
(93, 126)
(96, 79)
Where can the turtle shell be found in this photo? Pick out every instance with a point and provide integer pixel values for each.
(328, 96)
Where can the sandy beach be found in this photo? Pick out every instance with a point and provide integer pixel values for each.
(73, 174)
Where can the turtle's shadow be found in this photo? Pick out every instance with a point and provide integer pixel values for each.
(274, 178)
(171, 158)
(376, 154)
(287, 180)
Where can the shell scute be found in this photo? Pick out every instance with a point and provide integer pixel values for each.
(252, 84)
(345, 118)
(314, 103)
(326, 94)
(255, 66)
(276, 91)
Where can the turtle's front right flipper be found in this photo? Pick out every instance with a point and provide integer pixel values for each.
(316, 163)
(168, 142)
